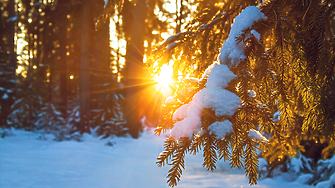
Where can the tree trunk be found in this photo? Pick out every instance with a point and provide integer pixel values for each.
(84, 67)
(62, 36)
(134, 68)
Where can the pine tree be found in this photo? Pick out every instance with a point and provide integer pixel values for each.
(284, 64)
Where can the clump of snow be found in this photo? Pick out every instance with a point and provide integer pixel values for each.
(222, 101)
(276, 116)
(232, 52)
(256, 34)
(208, 70)
(221, 129)
(5, 96)
(191, 118)
(213, 96)
(253, 134)
(171, 45)
(251, 93)
(181, 112)
(170, 100)
(220, 76)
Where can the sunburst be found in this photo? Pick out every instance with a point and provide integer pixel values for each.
(164, 79)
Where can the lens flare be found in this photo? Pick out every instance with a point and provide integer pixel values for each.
(164, 79)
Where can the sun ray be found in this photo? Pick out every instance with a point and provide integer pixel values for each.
(164, 79)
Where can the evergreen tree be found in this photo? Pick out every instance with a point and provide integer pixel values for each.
(284, 65)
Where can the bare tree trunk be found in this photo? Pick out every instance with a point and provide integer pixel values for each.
(134, 68)
(84, 67)
(63, 60)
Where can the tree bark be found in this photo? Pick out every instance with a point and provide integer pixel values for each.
(62, 36)
(134, 68)
(84, 67)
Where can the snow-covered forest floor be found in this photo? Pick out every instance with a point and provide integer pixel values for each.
(27, 160)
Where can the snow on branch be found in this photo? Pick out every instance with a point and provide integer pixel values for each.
(213, 96)
(170, 43)
(253, 134)
(232, 52)
(230, 49)
(221, 129)
(220, 76)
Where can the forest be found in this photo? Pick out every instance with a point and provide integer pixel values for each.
(242, 81)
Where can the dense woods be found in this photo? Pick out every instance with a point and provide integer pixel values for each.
(70, 67)
(64, 64)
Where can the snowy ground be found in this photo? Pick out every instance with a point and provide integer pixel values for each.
(26, 161)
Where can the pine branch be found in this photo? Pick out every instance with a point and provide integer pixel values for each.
(178, 162)
(166, 123)
(210, 156)
(223, 149)
(251, 162)
(170, 147)
(196, 145)
(237, 155)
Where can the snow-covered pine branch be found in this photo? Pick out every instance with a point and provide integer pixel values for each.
(214, 96)
(170, 43)
(276, 74)
(232, 52)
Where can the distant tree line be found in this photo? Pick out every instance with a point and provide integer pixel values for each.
(59, 72)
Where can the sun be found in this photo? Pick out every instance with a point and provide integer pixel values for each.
(164, 79)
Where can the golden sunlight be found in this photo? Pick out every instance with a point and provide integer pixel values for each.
(164, 79)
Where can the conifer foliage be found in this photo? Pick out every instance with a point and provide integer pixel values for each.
(276, 62)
